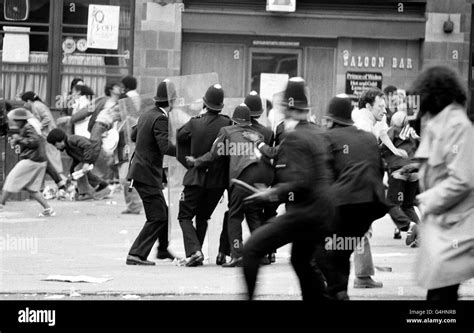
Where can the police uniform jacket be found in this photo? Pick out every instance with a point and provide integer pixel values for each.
(152, 143)
(305, 173)
(197, 137)
(268, 136)
(356, 165)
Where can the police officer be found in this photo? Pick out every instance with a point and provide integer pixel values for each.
(254, 103)
(293, 121)
(203, 187)
(146, 175)
(245, 166)
(357, 172)
(305, 186)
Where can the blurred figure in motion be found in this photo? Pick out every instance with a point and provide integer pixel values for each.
(304, 185)
(446, 156)
(402, 187)
(29, 172)
(357, 171)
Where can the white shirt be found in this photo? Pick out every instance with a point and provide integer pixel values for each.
(80, 128)
(365, 120)
(135, 97)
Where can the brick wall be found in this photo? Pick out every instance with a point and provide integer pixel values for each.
(451, 49)
(157, 49)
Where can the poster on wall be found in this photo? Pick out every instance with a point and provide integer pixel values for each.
(357, 82)
(16, 44)
(103, 27)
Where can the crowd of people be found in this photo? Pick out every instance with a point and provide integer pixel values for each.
(90, 135)
(329, 176)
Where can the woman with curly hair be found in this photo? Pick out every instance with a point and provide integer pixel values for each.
(446, 202)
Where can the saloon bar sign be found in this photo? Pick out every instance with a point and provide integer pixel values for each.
(360, 61)
(357, 82)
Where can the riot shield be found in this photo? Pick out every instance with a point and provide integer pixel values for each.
(129, 116)
(186, 93)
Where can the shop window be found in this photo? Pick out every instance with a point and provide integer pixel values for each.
(96, 66)
(18, 76)
(274, 62)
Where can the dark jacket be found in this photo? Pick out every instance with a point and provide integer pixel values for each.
(268, 136)
(356, 165)
(152, 143)
(272, 152)
(268, 139)
(230, 142)
(409, 145)
(80, 149)
(305, 174)
(31, 145)
(196, 138)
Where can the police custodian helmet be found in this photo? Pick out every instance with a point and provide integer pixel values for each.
(295, 95)
(254, 103)
(214, 98)
(164, 88)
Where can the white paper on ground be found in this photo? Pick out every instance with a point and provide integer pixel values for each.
(78, 278)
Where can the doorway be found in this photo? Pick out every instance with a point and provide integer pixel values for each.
(273, 61)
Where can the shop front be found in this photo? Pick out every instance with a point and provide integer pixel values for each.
(332, 45)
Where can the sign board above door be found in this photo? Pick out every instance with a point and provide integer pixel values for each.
(281, 6)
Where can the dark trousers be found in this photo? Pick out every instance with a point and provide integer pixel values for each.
(196, 202)
(156, 225)
(401, 196)
(306, 228)
(350, 224)
(254, 173)
(449, 293)
(224, 244)
(269, 211)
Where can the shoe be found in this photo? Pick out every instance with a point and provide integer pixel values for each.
(235, 262)
(195, 260)
(342, 296)
(134, 260)
(221, 259)
(265, 261)
(164, 254)
(411, 234)
(47, 212)
(272, 258)
(101, 186)
(414, 244)
(367, 282)
(62, 195)
(84, 197)
(397, 234)
(102, 194)
(128, 211)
